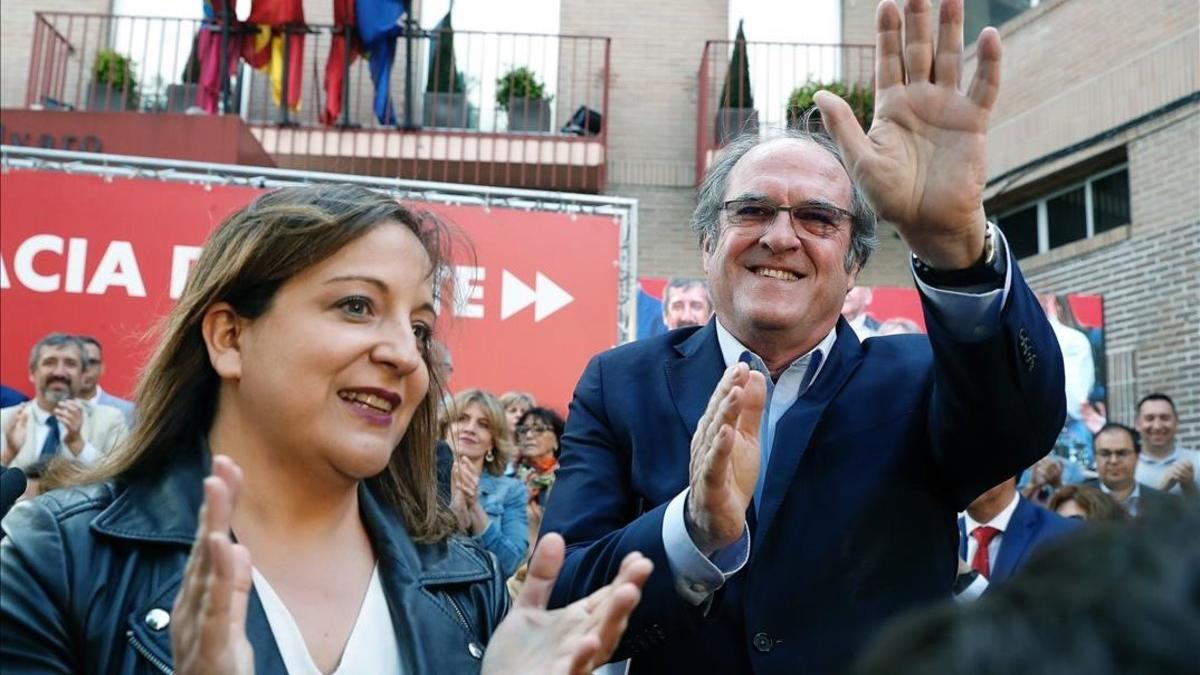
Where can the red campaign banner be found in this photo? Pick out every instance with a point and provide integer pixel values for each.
(536, 299)
(108, 256)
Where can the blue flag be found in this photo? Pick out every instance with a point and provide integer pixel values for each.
(378, 27)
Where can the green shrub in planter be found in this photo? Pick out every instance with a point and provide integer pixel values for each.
(860, 97)
(522, 94)
(519, 84)
(114, 82)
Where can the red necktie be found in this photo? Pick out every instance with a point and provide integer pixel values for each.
(983, 536)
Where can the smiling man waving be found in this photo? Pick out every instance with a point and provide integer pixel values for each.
(794, 487)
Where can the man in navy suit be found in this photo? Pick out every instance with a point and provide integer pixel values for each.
(1001, 530)
(867, 451)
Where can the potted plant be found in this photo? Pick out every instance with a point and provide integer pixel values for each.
(736, 114)
(445, 90)
(523, 95)
(861, 98)
(114, 84)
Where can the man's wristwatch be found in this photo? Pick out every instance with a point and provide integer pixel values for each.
(987, 271)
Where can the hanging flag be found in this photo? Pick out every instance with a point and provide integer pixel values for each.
(208, 54)
(378, 27)
(280, 38)
(343, 51)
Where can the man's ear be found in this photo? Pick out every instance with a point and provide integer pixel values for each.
(221, 328)
(852, 277)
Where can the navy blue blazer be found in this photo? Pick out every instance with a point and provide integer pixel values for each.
(1030, 527)
(857, 523)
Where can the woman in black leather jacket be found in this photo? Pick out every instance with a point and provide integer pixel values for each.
(294, 368)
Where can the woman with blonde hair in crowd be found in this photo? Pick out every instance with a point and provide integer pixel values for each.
(294, 373)
(515, 404)
(486, 504)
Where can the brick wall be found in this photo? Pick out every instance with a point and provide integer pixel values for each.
(651, 121)
(666, 245)
(858, 22)
(16, 40)
(1115, 60)
(1149, 276)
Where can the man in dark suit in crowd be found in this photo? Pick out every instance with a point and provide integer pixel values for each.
(1001, 530)
(1117, 451)
(794, 487)
(1113, 600)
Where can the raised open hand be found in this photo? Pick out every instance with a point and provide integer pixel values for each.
(923, 164)
(725, 459)
(208, 622)
(573, 640)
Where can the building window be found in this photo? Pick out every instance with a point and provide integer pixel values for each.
(978, 14)
(1097, 205)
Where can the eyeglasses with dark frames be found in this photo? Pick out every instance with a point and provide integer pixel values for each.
(754, 216)
(532, 429)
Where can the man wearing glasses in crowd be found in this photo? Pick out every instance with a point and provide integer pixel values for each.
(1117, 451)
(795, 487)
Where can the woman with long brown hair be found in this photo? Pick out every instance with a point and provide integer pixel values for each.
(294, 369)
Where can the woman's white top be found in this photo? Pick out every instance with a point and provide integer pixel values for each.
(372, 645)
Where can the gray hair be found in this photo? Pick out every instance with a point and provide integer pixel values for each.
(712, 190)
(684, 283)
(54, 340)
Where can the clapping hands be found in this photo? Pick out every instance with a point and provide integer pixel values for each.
(573, 640)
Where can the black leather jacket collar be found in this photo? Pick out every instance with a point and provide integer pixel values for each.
(445, 598)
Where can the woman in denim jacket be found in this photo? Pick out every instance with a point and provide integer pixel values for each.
(487, 505)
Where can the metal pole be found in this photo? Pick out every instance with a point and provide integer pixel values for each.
(410, 26)
(287, 71)
(347, 32)
(224, 60)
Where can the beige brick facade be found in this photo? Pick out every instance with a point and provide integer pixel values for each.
(655, 58)
(16, 40)
(1077, 70)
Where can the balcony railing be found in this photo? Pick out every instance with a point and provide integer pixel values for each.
(445, 122)
(748, 86)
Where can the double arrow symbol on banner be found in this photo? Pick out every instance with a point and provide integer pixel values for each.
(546, 296)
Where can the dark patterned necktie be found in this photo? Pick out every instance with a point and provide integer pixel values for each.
(53, 438)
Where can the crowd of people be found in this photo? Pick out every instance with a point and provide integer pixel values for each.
(758, 489)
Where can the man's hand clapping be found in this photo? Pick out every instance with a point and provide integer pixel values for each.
(70, 415)
(725, 459)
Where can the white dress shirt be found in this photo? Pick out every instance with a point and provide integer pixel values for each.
(1130, 502)
(39, 429)
(1151, 470)
(1000, 522)
(371, 647)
